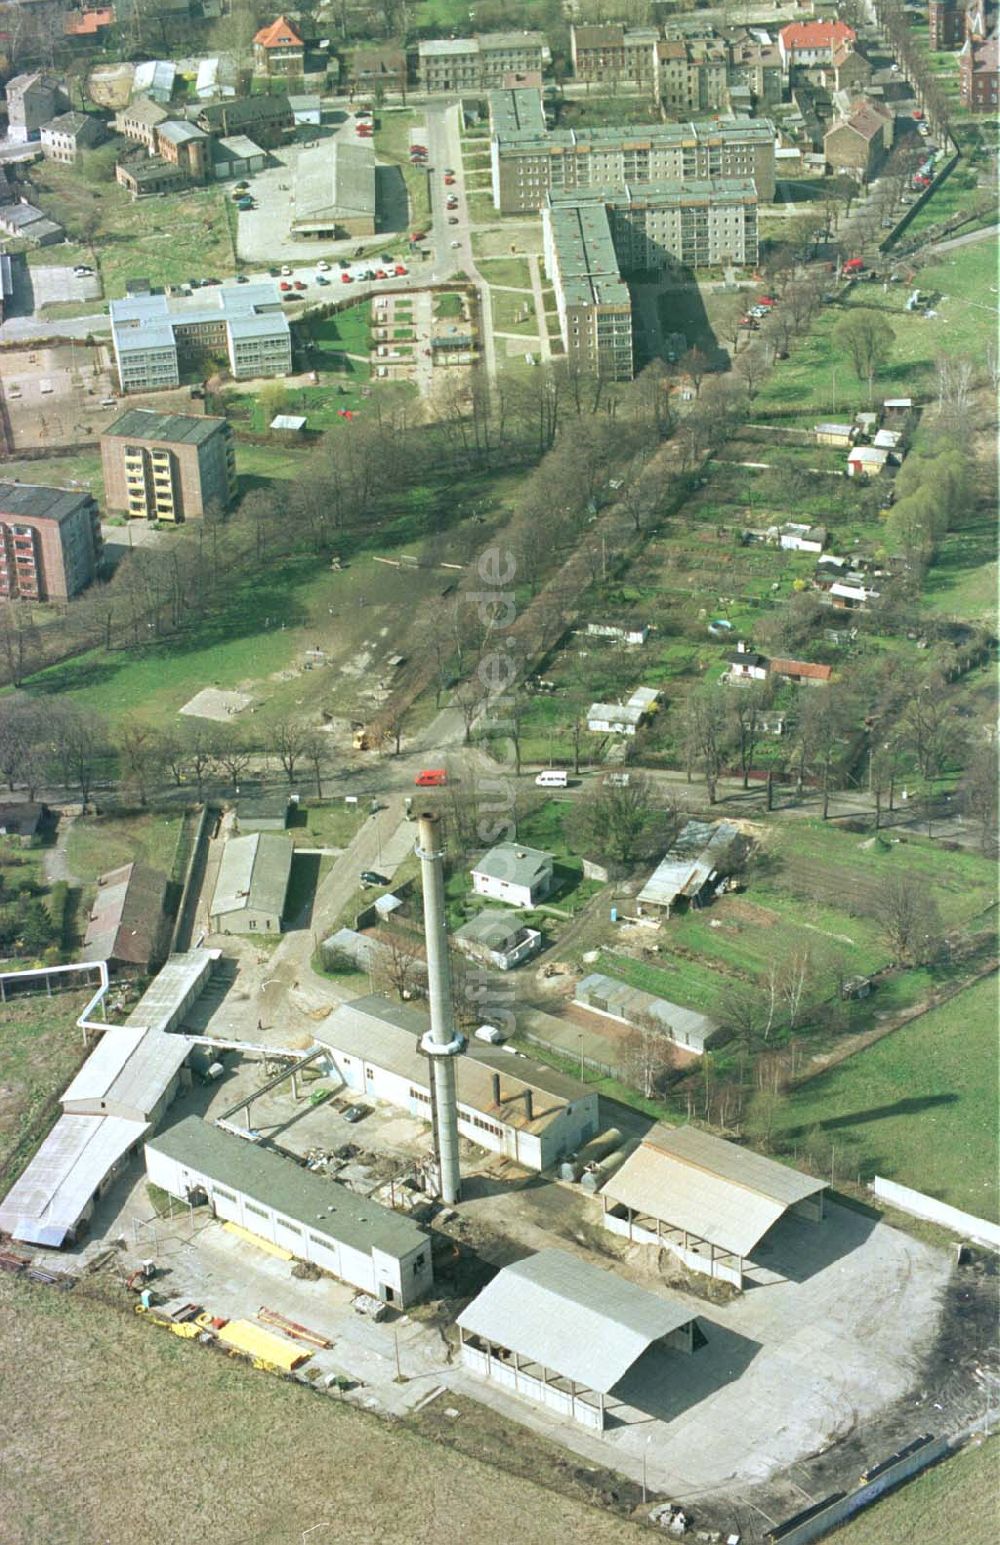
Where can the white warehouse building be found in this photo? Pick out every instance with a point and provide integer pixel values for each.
(509, 1105)
(314, 1218)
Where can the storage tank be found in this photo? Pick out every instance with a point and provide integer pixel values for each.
(598, 1147)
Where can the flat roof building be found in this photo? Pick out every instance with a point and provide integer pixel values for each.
(252, 884)
(335, 190)
(707, 1201)
(315, 1219)
(245, 322)
(50, 542)
(526, 165)
(592, 299)
(510, 1106)
(168, 466)
(557, 1330)
(705, 222)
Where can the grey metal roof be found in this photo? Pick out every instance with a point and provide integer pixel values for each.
(615, 713)
(724, 1194)
(46, 1203)
(513, 862)
(335, 180)
(172, 428)
(39, 502)
(319, 1203)
(632, 1004)
(183, 976)
(386, 1034)
(130, 1069)
(490, 927)
(585, 256)
(446, 48)
(177, 132)
(253, 875)
(574, 1318)
(517, 111)
(694, 857)
(240, 147)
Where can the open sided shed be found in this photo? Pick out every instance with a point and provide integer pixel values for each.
(562, 1332)
(708, 1201)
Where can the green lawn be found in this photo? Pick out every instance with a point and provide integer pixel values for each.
(818, 377)
(40, 1050)
(98, 843)
(919, 1107)
(953, 1501)
(515, 272)
(82, 467)
(514, 313)
(392, 143)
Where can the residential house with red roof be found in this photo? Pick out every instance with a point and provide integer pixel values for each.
(808, 43)
(278, 49)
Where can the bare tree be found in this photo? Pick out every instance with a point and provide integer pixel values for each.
(316, 751)
(233, 753)
(80, 744)
(399, 970)
(979, 793)
(909, 918)
(623, 823)
(139, 754)
(468, 699)
(646, 1058)
(288, 741)
(704, 731)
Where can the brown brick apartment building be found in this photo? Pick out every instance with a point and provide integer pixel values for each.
(167, 466)
(50, 542)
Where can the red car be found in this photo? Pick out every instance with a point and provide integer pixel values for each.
(449, 181)
(284, 285)
(766, 300)
(419, 236)
(854, 266)
(400, 268)
(346, 279)
(380, 273)
(300, 284)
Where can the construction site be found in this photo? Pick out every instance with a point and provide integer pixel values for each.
(420, 1223)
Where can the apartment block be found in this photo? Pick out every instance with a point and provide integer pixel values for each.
(592, 299)
(64, 138)
(168, 466)
(478, 63)
(33, 100)
(526, 165)
(692, 74)
(613, 55)
(153, 333)
(757, 65)
(50, 542)
(697, 224)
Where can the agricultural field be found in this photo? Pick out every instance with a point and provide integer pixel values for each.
(84, 1461)
(955, 1501)
(190, 238)
(918, 1107)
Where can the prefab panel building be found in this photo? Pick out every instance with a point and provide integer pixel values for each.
(314, 1218)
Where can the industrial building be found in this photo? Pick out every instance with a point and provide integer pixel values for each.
(335, 190)
(527, 164)
(252, 884)
(563, 1333)
(117, 1097)
(129, 926)
(592, 299)
(50, 542)
(155, 335)
(631, 1006)
(309, 1215)
(707, 1201)
(514, 874)
(511, 1106)
(168, 466)
(697, 224)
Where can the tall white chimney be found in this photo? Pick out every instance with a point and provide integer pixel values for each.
(441, 1044)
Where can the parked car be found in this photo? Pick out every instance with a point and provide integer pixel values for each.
(400, 268)
(449, 171)
(372, 877)
(454, 243)
(322, 279)
(322, 267)
(347, 278)
(242, 279)
(286, 271)
(448, 181)
(300, 284)
(284, 286)
(241, 185)
(454, 220)
(355, 1113)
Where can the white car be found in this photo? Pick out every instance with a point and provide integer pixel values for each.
(456, 243)
(286, 272)
(322, 267)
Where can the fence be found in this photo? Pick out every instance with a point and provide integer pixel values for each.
(821, 1521)
(918, 1205)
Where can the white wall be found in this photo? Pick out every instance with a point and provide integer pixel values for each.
(920, 1206)
(529, 1388)
(723, 1271)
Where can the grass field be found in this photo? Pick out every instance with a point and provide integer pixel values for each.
(967, 313)
(188, 238)
(86, 1460)
(918, 1107)
(954, 1501)
(96, 844)
(40, 1050)
(392, 143)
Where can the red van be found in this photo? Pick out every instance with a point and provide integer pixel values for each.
(431, 778)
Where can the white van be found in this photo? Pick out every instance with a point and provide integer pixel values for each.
(553, 779)
(491, 1034)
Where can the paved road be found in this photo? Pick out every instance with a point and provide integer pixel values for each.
(988, 233)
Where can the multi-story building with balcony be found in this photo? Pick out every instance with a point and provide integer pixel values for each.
(244, 323)
(526, 163)
(168, 466)
(592, 299)
(653, 226)
(50, 542)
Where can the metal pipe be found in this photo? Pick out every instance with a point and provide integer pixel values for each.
(442, 1044)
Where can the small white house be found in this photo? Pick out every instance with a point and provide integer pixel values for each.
(619, 632)
(498, 939)
(622, 718)
(888, 440)
(797, 538)
(306, 109)
(745, 665)
(841, 436)
(514, 874)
